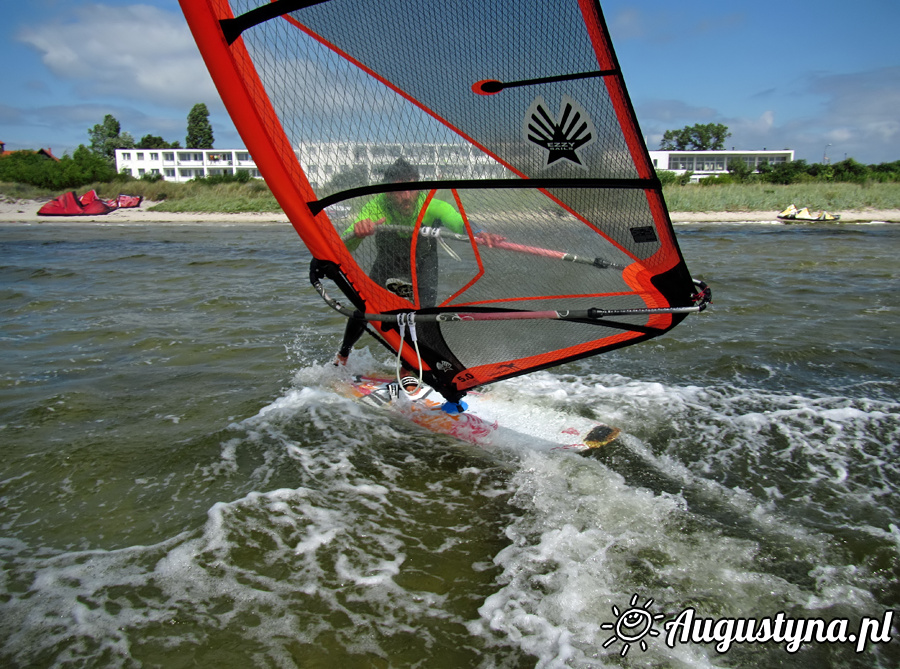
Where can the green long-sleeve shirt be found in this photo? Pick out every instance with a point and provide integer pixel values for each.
(393, 249)
(438, 213)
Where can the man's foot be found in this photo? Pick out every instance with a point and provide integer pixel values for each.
(340, 360)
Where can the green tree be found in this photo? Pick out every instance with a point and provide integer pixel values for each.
(106, 137)
(674, 140)
(821, 172)
(788, 173)
(739, 169)
(886, 171)
(352, 177)
(199, 130)
(89, 168)
(156, 142)
(83, 167)
(851, 171)
(700, 137)
(667, 177)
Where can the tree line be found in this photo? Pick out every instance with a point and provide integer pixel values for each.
(795, 172)
(712, 136)
(96, 163)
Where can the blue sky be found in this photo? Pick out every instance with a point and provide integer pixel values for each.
(780, 74)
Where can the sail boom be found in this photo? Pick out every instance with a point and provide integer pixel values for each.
(593, 315)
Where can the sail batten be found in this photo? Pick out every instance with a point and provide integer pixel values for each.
(483, 184)
(528, 228)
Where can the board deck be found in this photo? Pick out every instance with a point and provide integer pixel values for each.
(489, 420)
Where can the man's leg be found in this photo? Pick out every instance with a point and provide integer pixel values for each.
(352, 333)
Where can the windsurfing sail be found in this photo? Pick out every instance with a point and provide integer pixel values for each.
(539, 233)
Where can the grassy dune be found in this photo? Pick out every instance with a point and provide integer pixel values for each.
(768, 197)
(255, 196)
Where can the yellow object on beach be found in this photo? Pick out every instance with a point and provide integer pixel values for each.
(794, 214)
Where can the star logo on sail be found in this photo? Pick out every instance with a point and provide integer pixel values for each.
(562, 136)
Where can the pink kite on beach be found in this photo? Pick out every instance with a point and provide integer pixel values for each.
(89, 204)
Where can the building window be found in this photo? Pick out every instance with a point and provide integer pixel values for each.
(681, 163)
(140, 156)
(154, 156)
(126, 155)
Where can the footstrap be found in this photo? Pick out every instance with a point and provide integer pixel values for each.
(402, 321)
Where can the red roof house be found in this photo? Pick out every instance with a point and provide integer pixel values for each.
(44, 152)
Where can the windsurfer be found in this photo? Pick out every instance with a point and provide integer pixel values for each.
(391, 269)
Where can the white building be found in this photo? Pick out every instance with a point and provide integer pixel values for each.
(323, 161)
(183, 164)
(710, 163)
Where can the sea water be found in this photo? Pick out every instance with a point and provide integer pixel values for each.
(180, 485)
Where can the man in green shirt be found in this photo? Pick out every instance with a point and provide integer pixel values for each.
(392, 268)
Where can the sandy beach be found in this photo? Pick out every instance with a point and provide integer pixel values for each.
(25, 211)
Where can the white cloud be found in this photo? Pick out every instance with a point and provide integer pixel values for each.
(629, 24)
(671, 111)
(855, 113)
(725, 23)
(861, 108)
(135, 52)
(759, 127)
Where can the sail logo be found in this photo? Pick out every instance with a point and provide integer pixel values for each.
(561, 136)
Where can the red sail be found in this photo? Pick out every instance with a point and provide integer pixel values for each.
(539, 233)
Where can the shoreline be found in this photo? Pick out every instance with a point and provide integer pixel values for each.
(25, 211)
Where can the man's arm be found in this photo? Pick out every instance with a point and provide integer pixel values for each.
(453, 220)
(369, 218)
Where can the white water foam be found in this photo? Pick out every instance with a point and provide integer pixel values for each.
(676, 528)
(359, 533)
(350, 553)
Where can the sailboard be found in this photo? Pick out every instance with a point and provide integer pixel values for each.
(488, 421)
(539, 233)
